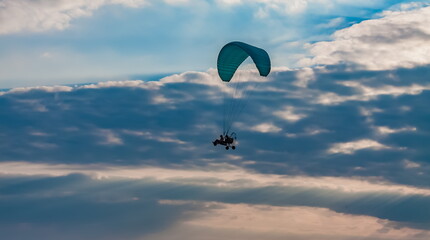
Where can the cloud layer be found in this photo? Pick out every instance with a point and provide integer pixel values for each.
(149, 143)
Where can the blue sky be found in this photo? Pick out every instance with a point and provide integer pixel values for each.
(109, 108)
(45, 43)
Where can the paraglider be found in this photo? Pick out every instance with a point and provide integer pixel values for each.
(230, 58)
(226, 140)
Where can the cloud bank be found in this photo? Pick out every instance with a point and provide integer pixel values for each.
(359, 159)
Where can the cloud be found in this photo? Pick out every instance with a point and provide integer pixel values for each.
(109, 137)
(21, 15)
(399, 39)
(351, 147)
(409, 164)
(161, 137)
(38, 16)
(137, 124)
(214, 175)
(304, 75)
(54, 208)
(177, 2)
(115, 135)
(245, 221)
(109, 84)
(295, 6)
(308, 132)
(39, 88)
(42, 195)
(386, 130)
(289, 114)
(409, 6)
(266, 128)
(335, 22)
(366, 93)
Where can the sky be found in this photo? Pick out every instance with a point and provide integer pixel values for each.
(109, 108)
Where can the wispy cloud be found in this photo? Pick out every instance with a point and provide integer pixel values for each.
(351, 147)
(161, 137)
(386, 130)
(216, 175)
(289, 114)
(410, 164)
(296, 6)
(367, 93)
(109, 137)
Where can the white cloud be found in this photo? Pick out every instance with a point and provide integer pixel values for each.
(39, 88)
(384, 130)
(43, 15)
(366, 93)
(206, 78)
(160, 137)
(177, 2)
(311, 131)
(136, 3)
(289, 114)
(332, 23)
(304, 76)
(266, 128)
(160, 99)
(108, 84)
(369, 112)
(252, 221)
(291, 6)
(296, 6)
(351, 147)
(409, 6)
(24, 15)
(229, 2)
(37, 133)
(409, 164)
(398, 39)
(218, 175)
(109, 137)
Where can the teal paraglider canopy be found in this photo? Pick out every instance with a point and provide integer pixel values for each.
(233, 54)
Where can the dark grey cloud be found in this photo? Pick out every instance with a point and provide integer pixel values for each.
(126, 125)
(171, 123)
(76, 206)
